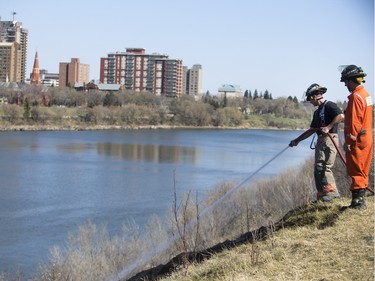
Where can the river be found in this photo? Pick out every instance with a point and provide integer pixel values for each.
(53, 181)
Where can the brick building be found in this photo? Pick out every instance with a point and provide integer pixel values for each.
(73, 72)
(138, 71)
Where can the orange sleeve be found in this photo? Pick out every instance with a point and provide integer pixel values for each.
(356, 118)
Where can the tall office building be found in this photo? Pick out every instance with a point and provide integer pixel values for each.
(9, 62)
(73, 72)
(138, 71)
(13, 51)
(193, 80)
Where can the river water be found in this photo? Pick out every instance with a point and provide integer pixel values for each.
(51, 182)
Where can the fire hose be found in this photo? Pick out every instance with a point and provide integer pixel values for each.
(309, 131)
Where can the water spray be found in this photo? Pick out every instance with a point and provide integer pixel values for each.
(161, 248)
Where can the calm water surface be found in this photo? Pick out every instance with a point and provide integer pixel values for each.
(52, 182)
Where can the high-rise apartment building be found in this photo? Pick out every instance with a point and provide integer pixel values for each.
(9, 62)
(73, 72)
(193, 80)
(13, 51)
(138, 71)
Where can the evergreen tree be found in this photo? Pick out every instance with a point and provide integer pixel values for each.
(246, 95)
(214, 103)
(256, 95)
(110, 99)
(26, 109)
(266, 95)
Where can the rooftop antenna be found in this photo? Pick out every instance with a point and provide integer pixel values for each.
(14, 13)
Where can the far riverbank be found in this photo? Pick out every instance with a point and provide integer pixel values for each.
(138, 127)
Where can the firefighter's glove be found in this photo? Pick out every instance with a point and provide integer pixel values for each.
(293, 143)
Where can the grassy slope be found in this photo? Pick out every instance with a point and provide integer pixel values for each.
(323, 241)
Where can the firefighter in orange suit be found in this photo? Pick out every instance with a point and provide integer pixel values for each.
(358, 133)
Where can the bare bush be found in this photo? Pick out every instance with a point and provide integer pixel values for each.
(11, 112)
(228, 116)
(131, 114)
(35, 113)
(58, 114)
(142, 98)
(95, 98)
(191, 113)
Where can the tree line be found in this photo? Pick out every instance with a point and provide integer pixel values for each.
(66, 106)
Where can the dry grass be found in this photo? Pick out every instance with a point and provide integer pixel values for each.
(325, 243)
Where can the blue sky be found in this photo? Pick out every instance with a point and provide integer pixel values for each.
(281, 46)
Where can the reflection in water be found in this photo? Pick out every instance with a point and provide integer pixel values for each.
(74, 147)
(149, 153)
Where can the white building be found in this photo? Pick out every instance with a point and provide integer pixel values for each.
(230, 91)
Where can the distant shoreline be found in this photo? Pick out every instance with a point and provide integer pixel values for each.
(114, 127)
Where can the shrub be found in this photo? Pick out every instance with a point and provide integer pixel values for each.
(228, 116)
(11, 112)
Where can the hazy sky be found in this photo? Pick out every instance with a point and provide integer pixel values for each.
(281, 46)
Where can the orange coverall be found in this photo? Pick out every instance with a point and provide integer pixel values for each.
(358, 134)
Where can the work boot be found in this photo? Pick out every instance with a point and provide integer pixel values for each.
(328, 193)
(329, 196)
(358, 198)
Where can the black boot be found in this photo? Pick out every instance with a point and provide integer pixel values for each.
(358, 198)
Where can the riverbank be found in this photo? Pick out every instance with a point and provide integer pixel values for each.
(129, 127)
(303, 244)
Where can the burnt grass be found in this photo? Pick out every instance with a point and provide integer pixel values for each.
(303, 216)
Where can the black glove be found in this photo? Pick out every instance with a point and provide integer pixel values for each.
(293, 143)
